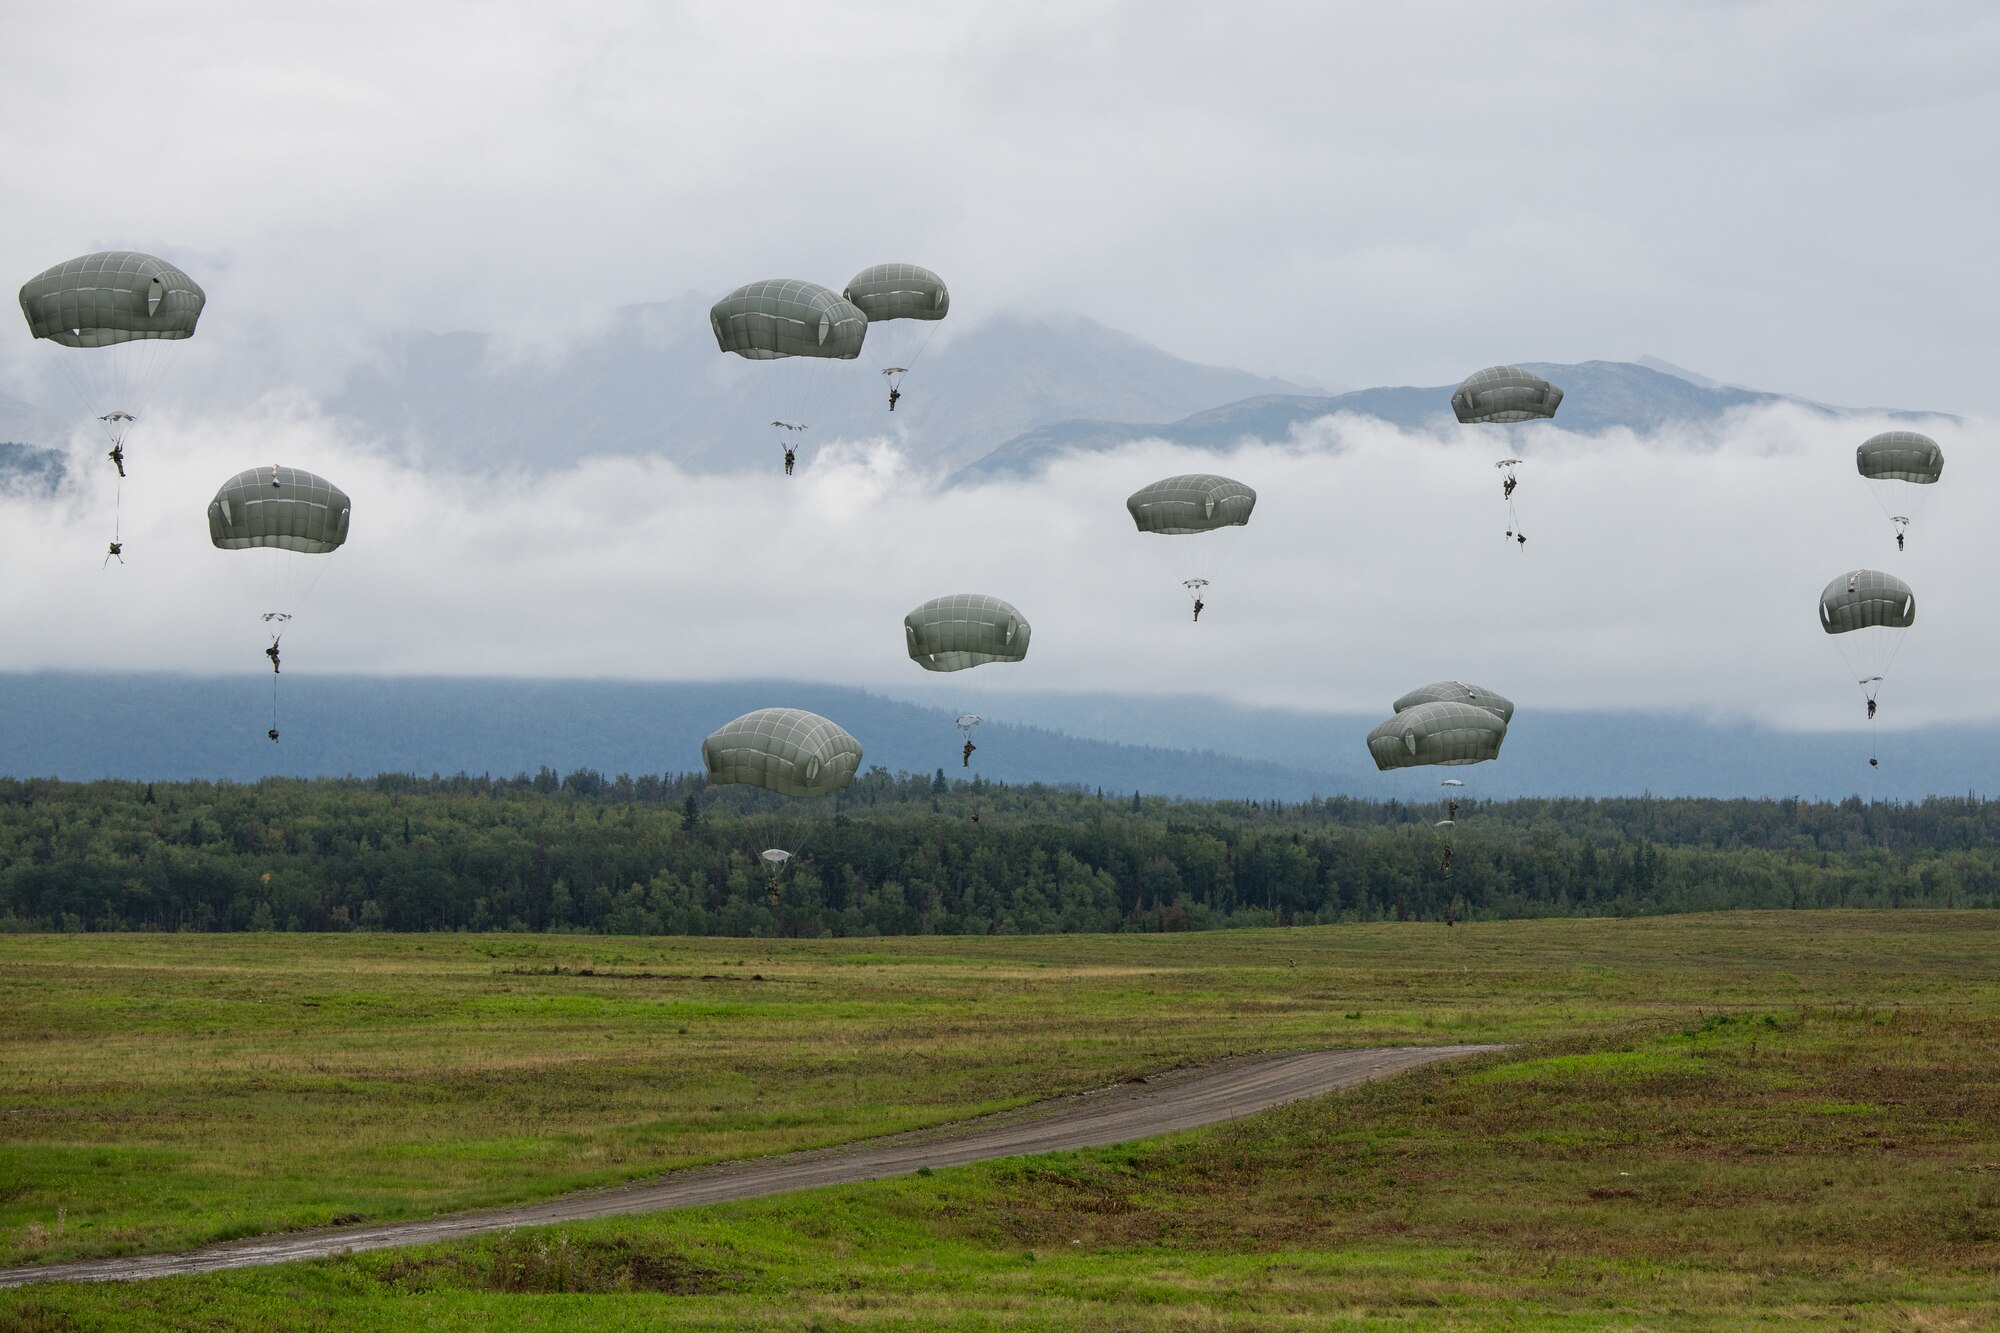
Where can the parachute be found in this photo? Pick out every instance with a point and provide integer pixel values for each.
(1867, 611)
(803, 323)
(1191, 505)
(1440, 732)
(965, 630)
(781, 317)
(1504, 394)
(122, 309)
(1197, 502)
(785, 750)
(112, 300)
(962, 631)
(1900, 456)
(1449, 723)
(898, 291)
(279, 516)
(887, 292)
(1866, 599)
(279, 508)
(1458, 691)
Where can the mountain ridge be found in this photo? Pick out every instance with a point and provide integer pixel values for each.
(1598, 396)
(995, 398)
(455, 396)
(156, 726)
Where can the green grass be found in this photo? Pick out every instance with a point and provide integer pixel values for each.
(1732, 1121)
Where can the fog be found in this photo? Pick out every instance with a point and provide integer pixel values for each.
(1677, 571)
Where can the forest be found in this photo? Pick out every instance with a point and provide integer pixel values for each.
(901, 854)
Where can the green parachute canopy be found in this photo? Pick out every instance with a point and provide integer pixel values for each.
(1866, 599)
(965, 630)
(126, 309)
(898, 291)
(1437, 733)
(786, 750)
(1504, 393)
(279, 508)
(782, 317)
(1195, 502)
(1458, 691)
(113, 296)
(1900, 455)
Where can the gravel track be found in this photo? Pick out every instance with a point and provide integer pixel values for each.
(1161, 1103)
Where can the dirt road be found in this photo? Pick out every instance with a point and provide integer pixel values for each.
(1160, 1104)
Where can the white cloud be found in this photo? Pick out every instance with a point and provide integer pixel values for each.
(1677, 571)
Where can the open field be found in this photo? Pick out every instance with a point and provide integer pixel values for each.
(1169, 1102)
(1732, 1119)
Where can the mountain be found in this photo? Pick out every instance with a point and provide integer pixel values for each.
(1013, 373)
(168, 727)
(28, 463)
(26, 470)
(1597, 396)
(998, 397)
(1547, 752)
(652, 382)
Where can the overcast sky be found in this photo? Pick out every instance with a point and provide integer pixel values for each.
(1793, 196)
(1797, 196)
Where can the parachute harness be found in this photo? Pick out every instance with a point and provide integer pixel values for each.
(1451, 790)
(1508, 481)
(118, 380)
(784, 867)
(116, 423)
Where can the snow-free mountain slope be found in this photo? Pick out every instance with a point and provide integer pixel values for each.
(652, 382)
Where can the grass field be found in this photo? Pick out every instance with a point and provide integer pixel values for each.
(1737, 1121)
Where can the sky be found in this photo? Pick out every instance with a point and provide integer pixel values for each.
(1792, 195)
(1796, 197)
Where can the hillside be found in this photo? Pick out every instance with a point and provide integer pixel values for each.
(652, 382)
(994, 397)
(1598, 396)
(167, 727)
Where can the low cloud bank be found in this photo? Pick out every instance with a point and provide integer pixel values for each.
(1673, 571)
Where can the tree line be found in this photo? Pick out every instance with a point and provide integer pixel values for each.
(900, 853)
